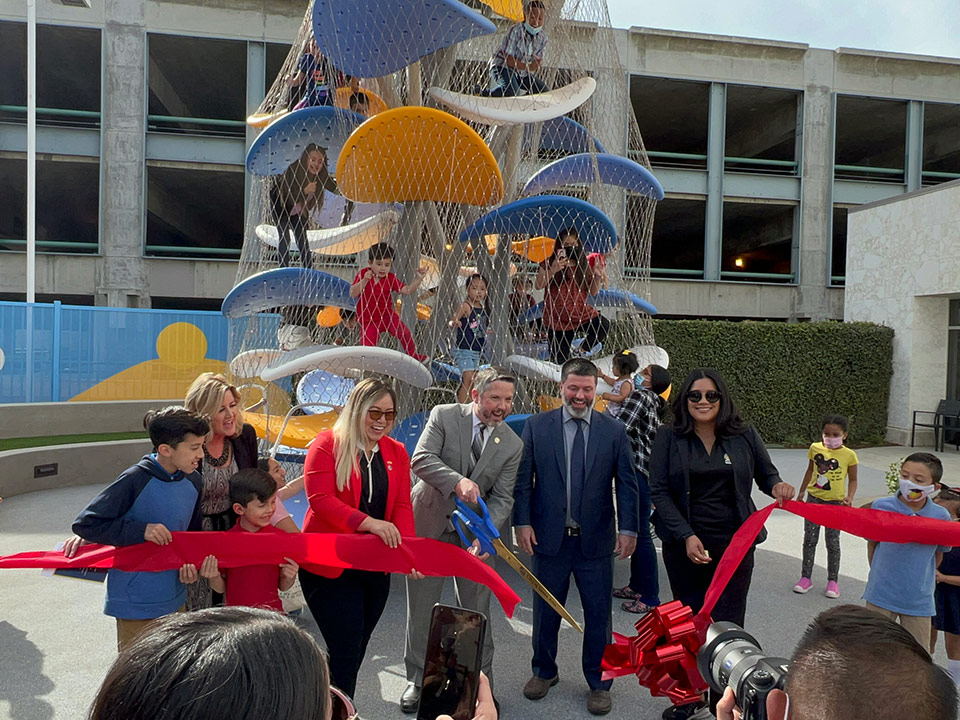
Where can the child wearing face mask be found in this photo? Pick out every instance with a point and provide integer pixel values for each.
(903, 575)
(836, 484)
(947, 593)
(514, 66)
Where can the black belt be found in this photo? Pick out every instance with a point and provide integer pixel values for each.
(571, 531)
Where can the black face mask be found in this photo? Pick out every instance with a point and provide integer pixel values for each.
(574, 252)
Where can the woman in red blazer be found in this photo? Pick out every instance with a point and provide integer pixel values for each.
(357, 480)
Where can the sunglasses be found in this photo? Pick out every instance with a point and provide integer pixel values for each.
(712, 396)
(387, 415)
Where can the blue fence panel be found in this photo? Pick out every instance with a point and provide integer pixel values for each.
(54, 352)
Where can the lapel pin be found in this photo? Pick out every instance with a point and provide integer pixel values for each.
(496, 441)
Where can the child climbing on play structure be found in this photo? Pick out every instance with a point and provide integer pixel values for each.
(514, 66)
(947, 593)
(472, 320)
(311, 76)
(624, 365)
(374, 287)
(293, 195)
(836, 484)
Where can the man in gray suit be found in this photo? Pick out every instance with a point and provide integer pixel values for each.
(466, 451)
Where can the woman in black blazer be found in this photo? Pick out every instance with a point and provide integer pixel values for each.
(701, 472)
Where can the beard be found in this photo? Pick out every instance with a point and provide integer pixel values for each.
(578, 413)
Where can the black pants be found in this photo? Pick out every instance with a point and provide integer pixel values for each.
(298, 225)
(689, 582)
(561, 340)
(347, 609)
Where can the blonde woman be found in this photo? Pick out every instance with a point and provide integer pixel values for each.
(230, 446)
(357, 480)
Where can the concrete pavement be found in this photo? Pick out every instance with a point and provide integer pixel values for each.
(56, 645)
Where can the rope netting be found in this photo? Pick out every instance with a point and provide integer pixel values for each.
(512, 202)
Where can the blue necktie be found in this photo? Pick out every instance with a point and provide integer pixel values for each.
(578, 472)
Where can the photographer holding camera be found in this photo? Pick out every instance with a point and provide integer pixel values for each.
(850, 664)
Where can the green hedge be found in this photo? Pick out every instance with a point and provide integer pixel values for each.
(787, 376)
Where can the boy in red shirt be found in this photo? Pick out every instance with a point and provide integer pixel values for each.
(374, 287)
(253, 493)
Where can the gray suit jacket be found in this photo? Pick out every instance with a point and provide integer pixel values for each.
(442, 458)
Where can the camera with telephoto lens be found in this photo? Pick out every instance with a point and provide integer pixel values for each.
(731, 657)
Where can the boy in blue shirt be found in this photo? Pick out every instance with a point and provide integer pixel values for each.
(157, 496)
(903, 575)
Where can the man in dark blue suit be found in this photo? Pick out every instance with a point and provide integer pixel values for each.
(563, 514)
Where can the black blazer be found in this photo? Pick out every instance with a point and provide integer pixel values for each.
(670, 479)
(245, 447)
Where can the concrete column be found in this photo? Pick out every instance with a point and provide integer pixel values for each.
(256, 89)
(816, 206)
(913, 162)
(716, 136)
(121, 278)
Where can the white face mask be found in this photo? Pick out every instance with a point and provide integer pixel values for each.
(913, 492)
(531, 29)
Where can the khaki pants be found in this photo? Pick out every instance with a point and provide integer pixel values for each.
(917, 626)
(130, 630)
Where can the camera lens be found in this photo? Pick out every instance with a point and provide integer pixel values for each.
(727, 656)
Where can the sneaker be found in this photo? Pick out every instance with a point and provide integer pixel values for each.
(803, 586)
(683, 712)
(537, 687)
(636, 606)
(626, 593)
(833, 590)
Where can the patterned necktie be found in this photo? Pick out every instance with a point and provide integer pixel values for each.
(477, 447)
(578, 471)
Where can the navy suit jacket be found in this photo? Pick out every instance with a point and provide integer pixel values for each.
(540, 494)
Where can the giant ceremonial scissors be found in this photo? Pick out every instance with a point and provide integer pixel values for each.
(489, 540)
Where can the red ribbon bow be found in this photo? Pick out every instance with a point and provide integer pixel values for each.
(663, 655)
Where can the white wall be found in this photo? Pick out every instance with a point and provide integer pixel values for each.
(903, 266)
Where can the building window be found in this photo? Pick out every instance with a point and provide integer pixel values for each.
(871, 139)
(68, 75)
(838, 254)
(197, 86)
(673, 116)
(194, 213)
(941, 143)
(757, 242)
(761, 130)
(678, 235)
(276, 56)
(68, 205)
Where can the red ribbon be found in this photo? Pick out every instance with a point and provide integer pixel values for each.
(309, 550)
(664, 652)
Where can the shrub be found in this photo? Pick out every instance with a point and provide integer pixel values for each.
(787, 376)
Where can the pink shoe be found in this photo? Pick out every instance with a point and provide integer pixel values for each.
(803, 586)
(833, 590)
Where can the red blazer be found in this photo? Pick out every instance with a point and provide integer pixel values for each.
(333, 510)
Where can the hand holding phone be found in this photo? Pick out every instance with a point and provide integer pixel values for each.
(451, 668)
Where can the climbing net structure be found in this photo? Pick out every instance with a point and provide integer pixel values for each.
(493, 139)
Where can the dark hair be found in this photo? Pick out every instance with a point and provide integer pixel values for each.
(226, 663)
(848, 643)
(535, 4)
(580, 266)
(478, 276)
(171, 425)
(728, 420)
(625, 363)
(659, 379)
(358, 98)
(838, 420)
(251, 483)
(380, 251)
(930, 460)
(263, 462)
(578, 366)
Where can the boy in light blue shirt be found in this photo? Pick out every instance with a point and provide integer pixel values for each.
(903, 575)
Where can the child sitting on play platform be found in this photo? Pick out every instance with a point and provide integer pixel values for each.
(374, 287)
(513, 68)
(253, 493)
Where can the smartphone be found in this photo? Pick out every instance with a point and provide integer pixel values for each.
(451, 669)
(562, 254)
